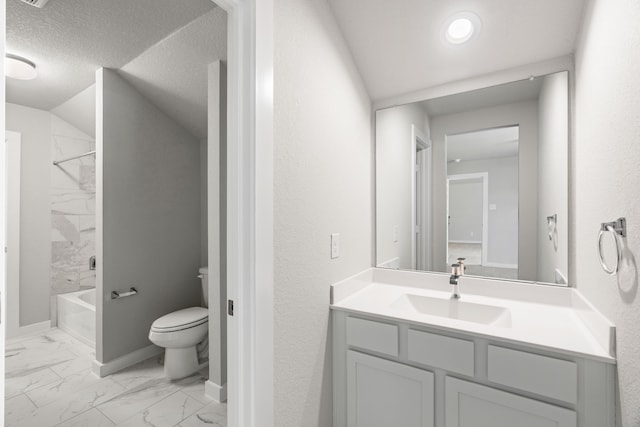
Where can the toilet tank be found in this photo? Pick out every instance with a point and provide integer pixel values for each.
(204, 275)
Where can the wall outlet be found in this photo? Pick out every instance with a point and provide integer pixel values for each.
(335, 245)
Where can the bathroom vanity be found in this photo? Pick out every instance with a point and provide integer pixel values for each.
(506, 354)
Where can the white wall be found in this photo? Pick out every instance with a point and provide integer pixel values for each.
(393, 180)
(35, 210)
(148, 216)
(204, 251)
(553, 177)
(502, 245)
(215, 203)
(523, 114)
(606, 177)
(80, 110)
(323, 184)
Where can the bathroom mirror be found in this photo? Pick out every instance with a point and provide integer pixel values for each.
(481, 175)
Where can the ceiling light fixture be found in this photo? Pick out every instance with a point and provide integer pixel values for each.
(461, 27)
(19, 68)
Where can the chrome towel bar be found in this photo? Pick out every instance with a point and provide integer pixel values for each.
(130, 292)
(57, 162)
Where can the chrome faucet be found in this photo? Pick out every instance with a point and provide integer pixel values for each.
(463, 267)
(457, 270)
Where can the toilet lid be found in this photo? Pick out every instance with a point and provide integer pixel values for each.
(181, 319)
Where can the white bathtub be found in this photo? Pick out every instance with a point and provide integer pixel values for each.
(77, 315)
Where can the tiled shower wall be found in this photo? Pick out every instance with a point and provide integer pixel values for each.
(72, 210)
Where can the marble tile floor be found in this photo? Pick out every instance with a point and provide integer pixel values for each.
(48, 382)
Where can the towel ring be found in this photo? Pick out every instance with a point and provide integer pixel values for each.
(616, 228)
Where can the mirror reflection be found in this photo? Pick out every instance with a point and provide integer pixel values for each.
(480, 175)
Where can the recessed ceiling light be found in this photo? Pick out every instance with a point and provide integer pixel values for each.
(19, 68)
(457, 160)
(461, 27)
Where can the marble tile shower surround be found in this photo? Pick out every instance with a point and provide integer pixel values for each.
(72, 210)
(49, 383)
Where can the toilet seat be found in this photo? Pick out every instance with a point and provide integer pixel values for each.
(181, 319)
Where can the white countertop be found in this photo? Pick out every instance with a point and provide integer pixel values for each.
(553, 318)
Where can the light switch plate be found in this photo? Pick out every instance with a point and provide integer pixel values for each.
(335, 245)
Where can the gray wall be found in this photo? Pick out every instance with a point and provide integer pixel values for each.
(393, 180)
(323, 184)
(465, 211)
(35, 210)
(503, 193)
(524, 114)
(606, 178)
(148, 184)
(553, 176)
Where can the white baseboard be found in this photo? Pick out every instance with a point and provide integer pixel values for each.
(499, 265)
(118, 364)
(215, 392)
(29, 329)
(475, 242)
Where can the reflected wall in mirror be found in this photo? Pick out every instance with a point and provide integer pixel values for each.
(482, 166)
(481, 175)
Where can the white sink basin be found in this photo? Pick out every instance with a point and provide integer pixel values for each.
(454, 309)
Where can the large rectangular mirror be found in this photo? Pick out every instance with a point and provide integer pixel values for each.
(480, 175)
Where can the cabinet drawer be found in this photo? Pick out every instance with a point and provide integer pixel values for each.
(451, 354)
(371, 335)
(542, 375)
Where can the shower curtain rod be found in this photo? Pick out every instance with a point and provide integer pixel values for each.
(57, 162)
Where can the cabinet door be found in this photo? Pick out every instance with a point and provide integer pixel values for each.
(474, 405)
(381, 393)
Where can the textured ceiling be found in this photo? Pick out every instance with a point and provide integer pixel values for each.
(398, 46)
(173, 73)
(70, 39)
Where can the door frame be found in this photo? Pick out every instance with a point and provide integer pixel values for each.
(250, 211)
(420, 140)
(11, 175)
(484, 176)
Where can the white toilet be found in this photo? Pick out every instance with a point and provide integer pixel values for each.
(183, 334)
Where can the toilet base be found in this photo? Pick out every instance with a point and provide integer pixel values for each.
(180, 362)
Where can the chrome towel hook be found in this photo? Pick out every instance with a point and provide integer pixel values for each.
(552, 223)
(618, 229)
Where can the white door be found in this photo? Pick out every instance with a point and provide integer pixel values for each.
(474, 405)
(381, 393)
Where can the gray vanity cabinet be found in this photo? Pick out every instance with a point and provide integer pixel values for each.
(388, 373)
